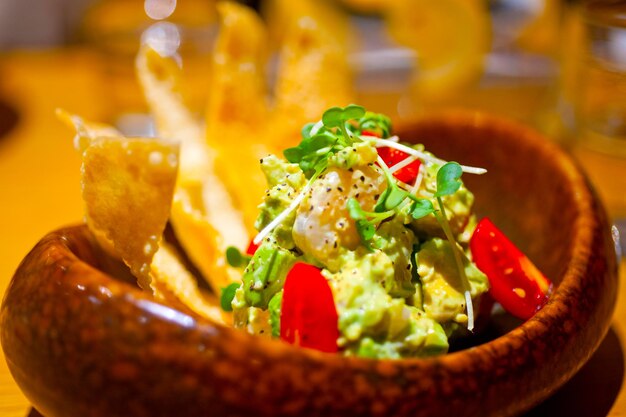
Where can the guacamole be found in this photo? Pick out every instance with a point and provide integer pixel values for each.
(394, 254)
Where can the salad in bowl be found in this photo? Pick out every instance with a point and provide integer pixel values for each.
(367, 245)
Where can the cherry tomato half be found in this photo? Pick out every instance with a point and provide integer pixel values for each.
(393, 156)
(308, 315)
(515, 281)
(252, 247)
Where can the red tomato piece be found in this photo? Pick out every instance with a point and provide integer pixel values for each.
(370, 133)
(393, 156)
(308, 315)
(252, 247)
(515, 281)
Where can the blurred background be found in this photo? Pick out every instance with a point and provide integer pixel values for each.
(556, 65)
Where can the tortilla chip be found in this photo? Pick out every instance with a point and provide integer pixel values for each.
(205, 217)
(172, 279)
(313, 74)
(237, 116)
(127, 187)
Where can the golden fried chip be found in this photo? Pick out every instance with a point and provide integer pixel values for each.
(331, 18)
(238, 94)
(313, 74)
(204, 215)
(172, 279)
(168, 277)
(451, 39)
(160, 78)
(86, 131)
(127, 187)
(237, 113)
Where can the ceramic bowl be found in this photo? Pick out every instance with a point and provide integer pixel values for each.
(83, 342)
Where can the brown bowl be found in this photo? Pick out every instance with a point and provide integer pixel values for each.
(81, 342)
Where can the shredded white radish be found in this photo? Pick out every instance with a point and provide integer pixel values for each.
(382, 163)
(282, 216)
(405, 162)
(470, 311)
(316, 127)
(418, 180)
(379, 143)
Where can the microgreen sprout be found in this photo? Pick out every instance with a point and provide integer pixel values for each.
(235, 258)
(420, 155)
(366, 221)
(448, 182)
(338, 117)
(376, 123)
(226, 299)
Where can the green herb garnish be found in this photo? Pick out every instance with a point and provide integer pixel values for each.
(448, 179)
(235, 258)
(376, 123)
(448, 182)
(226, 299)
(366, 221)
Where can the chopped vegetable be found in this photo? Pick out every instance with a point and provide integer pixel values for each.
(228, 293)
(392, 157)
(515, 281)
(252, 247)
(308, 316)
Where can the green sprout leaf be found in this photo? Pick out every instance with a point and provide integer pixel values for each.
(333, 117)
(421, 208)
(377, 123)
(305, 132)
(293, 155)
(226, 299)
(381, 202)
(365, 229)
(355, 210)
(448, 179)
(337, 116)
(353, 112)
(235, 258)
(395, 197)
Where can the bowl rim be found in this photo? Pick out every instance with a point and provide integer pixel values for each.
(535, 326)
(588, 227)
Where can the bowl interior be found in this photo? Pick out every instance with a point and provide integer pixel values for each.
(528, 190)
(125, 347)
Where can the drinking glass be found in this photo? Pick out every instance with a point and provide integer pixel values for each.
(597, 99)
(499, 56)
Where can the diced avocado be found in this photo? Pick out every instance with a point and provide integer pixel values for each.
(441, 284)
(265, 274)
(274, 307)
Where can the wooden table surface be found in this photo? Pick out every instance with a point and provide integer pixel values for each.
(39, 185)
